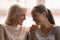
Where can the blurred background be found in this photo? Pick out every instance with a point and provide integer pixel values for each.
(53, 5)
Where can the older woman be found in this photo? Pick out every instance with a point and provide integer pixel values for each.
(13, 29)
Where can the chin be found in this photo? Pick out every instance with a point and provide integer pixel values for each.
(20, 23)
(38, 23)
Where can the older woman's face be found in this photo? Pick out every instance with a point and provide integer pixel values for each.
(21, 18)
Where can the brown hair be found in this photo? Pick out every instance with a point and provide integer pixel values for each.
(41, 9)
(50, 17)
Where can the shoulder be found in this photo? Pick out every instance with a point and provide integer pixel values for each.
(1, 26)
(57, 29)
(57, 32)
(56, 26)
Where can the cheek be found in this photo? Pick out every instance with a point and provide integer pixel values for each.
(35, 19)
(21, 18)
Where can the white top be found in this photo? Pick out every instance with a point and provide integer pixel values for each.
(16, 33)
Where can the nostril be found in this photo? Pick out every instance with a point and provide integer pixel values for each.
(24, 18)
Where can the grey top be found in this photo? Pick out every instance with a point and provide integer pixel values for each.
(54, 34)
(41, 36)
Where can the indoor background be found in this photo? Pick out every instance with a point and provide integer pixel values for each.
(53, 5)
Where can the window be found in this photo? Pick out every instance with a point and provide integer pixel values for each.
(5, 4)
(53, 4)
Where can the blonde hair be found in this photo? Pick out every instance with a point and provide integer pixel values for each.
(13, 11)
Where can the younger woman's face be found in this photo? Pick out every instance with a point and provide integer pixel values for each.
(39, 18)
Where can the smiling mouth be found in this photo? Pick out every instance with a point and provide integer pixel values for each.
(22, 21)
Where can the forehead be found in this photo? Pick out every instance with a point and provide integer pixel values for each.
(35, 14)
(22, 14)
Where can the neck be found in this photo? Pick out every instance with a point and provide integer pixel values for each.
(14, 25)
(46, 28)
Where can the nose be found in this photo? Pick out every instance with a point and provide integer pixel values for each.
(34, 19)
(24, 18)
